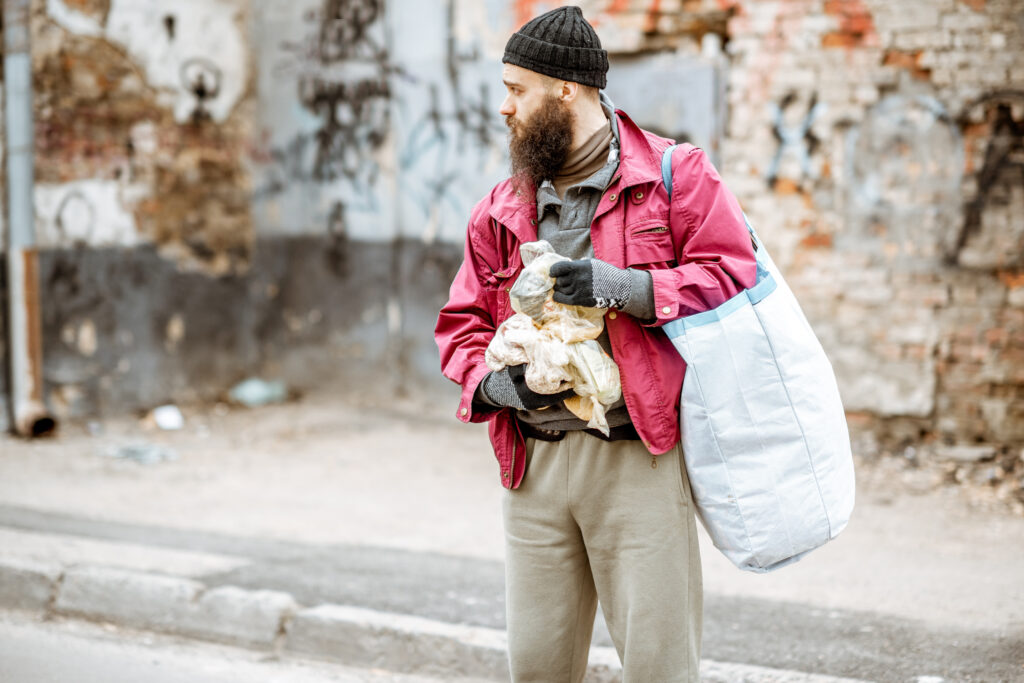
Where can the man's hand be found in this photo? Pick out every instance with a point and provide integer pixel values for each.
(532, 400)
(508, 388)
(592, 283)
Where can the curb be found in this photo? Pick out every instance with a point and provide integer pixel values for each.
(272, 620)
(27, 584)
(226, 614)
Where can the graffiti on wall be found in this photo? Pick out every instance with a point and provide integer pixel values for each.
(343, 80)
(202, 78)
(85, 212)
(904, 165)
(164, 40)
(792, 123)
(992, 232)
(459, 131)
(354, 78)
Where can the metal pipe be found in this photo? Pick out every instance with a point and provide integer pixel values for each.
(29, 415)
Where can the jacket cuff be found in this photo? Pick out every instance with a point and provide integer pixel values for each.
(467, 412)
(667, 306)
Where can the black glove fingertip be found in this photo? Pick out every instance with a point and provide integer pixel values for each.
(561, 297)
(559, 269)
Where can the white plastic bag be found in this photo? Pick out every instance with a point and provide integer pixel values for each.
(595, 378)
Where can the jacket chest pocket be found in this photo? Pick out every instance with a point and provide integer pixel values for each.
(649, 244)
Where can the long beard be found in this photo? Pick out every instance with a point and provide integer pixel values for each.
(539, 146)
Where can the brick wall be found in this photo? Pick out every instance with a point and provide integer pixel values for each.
(879, 147)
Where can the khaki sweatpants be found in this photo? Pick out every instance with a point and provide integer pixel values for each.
(594, 520)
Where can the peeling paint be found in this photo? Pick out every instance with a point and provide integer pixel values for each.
(174, 332)
(88, 212)
(206, 48)
(86, 338)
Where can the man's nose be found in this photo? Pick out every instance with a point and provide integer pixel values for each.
(506, 107)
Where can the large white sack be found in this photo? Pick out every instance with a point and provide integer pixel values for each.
(764, 433)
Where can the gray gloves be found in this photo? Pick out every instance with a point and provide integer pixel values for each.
(508, 388)
(597, 284)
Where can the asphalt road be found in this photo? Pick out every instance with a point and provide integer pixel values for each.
(865, 644)
(76, 652)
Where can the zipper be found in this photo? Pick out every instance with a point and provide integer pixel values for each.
(649, 231)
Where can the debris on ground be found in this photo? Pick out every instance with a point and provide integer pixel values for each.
(255, 392)
(144, 453)
(168, 417)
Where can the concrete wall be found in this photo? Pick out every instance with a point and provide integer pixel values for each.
(878, 148)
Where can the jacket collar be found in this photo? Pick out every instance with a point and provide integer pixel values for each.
(639, 163)
(514, 208)
(640, 151)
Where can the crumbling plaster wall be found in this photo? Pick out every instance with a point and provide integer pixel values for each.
(143, 114)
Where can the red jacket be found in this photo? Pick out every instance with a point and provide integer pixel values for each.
(698, 258)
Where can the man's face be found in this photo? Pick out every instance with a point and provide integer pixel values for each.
(540, 124)
(525, 92)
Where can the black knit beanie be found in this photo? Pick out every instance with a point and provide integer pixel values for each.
(560, 44)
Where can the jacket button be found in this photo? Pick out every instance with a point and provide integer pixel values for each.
(612, 197)
(533, 221)
(638, 196)
(613, 315)
(464, 412)
(505, 474)
(666, 310)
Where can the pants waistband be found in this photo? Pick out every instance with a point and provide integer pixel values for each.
(626, 432)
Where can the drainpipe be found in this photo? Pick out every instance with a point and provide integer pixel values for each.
(24, 325)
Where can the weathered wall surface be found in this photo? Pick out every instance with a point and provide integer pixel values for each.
(878, 148)
(379, 121)
(142, 118)
(141, 123)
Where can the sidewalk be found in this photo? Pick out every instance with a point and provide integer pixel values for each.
(311, 526)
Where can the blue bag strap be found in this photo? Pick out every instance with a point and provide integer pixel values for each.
(666, 179)
(666, 169)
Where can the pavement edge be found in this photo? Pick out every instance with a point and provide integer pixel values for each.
(274, 621)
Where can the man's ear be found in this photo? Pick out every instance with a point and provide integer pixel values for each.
(568, 91)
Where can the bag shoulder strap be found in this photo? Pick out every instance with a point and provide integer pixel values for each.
(666, 169)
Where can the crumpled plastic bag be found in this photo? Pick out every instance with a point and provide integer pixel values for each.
(595, 379)
(531, 289)
(556, 341)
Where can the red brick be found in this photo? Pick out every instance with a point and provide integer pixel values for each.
(838, 40)
(816, 239)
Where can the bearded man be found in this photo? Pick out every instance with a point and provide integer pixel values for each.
(590, 517)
